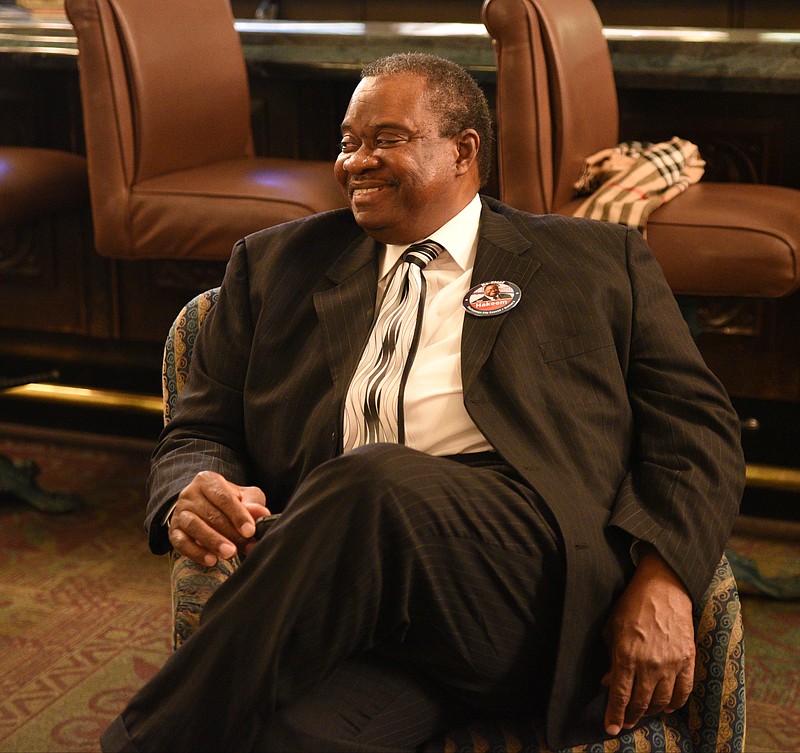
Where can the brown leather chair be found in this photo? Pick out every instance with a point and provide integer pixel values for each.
(557, 104)
(166, 110)
(44, 238)
(35, 184)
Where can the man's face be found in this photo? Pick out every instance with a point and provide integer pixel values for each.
(402, 179)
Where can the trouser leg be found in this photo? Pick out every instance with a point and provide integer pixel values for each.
(369, 704)
(450, 568)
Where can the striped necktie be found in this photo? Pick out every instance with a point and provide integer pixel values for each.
(373, 409)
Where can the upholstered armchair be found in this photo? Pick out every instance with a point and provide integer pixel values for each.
(713, 721)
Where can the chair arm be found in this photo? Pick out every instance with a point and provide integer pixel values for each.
(717, 704)
(192, 586)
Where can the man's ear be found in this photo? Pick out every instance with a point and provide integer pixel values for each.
(468, 142)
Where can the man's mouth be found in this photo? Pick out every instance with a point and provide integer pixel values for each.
(363, 191)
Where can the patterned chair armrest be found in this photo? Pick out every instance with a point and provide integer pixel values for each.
(192, 586)
(179, 345)
(717, 705)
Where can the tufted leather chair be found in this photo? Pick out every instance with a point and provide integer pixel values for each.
(713, 721)
(166, 110)
(557, 104)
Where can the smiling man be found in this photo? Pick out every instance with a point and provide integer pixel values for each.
(407, 174)
(496, 509)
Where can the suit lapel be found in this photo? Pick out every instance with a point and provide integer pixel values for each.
(346, 310)
(500, 256)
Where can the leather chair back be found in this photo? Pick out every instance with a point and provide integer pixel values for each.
(198, 113)
(141, 123)
(545, 137)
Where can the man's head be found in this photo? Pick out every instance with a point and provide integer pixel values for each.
(416, 146)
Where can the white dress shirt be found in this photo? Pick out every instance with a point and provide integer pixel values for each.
(436, 421)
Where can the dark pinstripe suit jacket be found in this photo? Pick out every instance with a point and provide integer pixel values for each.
(591, 388)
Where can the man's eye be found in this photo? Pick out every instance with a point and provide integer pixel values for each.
(387, 141)
(348, 146)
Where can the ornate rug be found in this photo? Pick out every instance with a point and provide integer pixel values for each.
(85, 608)
(767, 567)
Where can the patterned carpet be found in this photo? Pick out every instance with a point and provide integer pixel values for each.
(85, 609)
(772, 633)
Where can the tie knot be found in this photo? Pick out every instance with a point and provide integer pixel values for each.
(422, 253)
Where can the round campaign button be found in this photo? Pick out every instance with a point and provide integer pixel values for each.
(492, 298)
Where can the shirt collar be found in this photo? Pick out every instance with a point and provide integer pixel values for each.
(458, 235)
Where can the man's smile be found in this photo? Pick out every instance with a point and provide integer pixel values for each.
(366, 193)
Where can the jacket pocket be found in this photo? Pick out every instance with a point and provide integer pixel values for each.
(569, 347)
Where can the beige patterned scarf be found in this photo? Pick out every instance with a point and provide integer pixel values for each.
(626, 183)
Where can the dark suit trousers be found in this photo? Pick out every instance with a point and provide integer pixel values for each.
(398, 593)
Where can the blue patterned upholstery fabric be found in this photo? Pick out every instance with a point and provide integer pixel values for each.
(178, 347)
(713, 721)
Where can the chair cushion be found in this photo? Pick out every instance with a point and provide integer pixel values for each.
(201, 212)
(727, 239)
(35, 182)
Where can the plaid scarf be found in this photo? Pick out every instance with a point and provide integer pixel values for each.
(627, 182)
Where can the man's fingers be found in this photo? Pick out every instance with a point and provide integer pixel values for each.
(194, 537)
(227, 498)
(638, 704)
(650, 633)
(257, 511)
(184, 545)
(631, 697)
(684, 683)
(661, 697)
(620, 686)
(214, 517)
(252, 495)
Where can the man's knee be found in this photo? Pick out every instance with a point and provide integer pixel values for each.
(375, 475)
(388, 492)
(383, 464)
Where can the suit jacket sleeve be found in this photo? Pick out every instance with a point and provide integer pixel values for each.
(687, 471)
(207, 430)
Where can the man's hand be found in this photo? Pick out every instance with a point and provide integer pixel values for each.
(650, 634)
(213, 518)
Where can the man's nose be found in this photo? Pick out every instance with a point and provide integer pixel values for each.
(362, 159)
